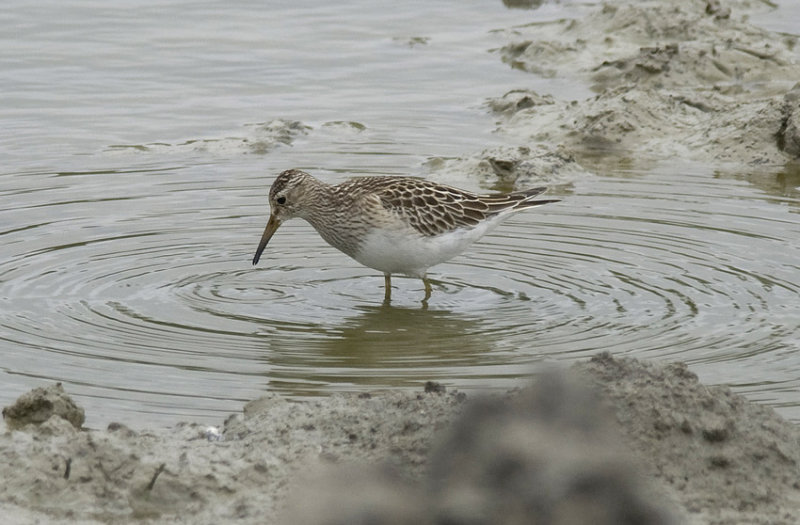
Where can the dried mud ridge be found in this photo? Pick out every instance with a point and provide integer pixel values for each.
(609, 441)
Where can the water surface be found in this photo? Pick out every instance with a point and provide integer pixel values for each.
(137, 155)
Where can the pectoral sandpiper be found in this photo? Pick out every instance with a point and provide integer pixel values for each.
(392, 224)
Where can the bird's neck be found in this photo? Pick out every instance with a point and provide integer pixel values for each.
(332, 218)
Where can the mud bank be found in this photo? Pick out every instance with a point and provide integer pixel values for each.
(691, 79)
(646, 443)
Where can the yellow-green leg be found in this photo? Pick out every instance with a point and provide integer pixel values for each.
(387, 290)
(428, 290)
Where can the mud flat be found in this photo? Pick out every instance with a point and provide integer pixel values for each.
(609, 441)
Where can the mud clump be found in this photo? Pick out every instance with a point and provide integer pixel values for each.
(548, 454)
(39, 405)
(694, 437)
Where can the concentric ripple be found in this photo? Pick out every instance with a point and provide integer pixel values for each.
(145, 301)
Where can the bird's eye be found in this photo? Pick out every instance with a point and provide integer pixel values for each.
(281, 200)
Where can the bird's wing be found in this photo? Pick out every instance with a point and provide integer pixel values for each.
(434, 209)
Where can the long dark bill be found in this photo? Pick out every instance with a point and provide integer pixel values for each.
(269, 231)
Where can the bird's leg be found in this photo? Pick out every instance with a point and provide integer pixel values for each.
(387, 291)
(428, 290)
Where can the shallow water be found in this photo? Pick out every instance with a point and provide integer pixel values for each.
(137, 156)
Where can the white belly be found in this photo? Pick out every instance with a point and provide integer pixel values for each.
(410, 253)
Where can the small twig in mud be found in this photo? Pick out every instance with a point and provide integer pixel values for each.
(159, 470)
(68, 468)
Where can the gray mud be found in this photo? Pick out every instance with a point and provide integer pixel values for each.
(608, 441)
(691, 79)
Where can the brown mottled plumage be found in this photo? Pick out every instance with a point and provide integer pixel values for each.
(434, 209)
(392, 224)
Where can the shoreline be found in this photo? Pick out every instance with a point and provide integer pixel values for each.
(609, 439)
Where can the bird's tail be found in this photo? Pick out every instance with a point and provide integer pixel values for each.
(528, 196)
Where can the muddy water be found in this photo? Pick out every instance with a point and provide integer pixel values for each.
(137, 156)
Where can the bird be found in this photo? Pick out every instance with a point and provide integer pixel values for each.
(393, 224)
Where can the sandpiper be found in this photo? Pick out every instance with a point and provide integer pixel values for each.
(398, 225)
